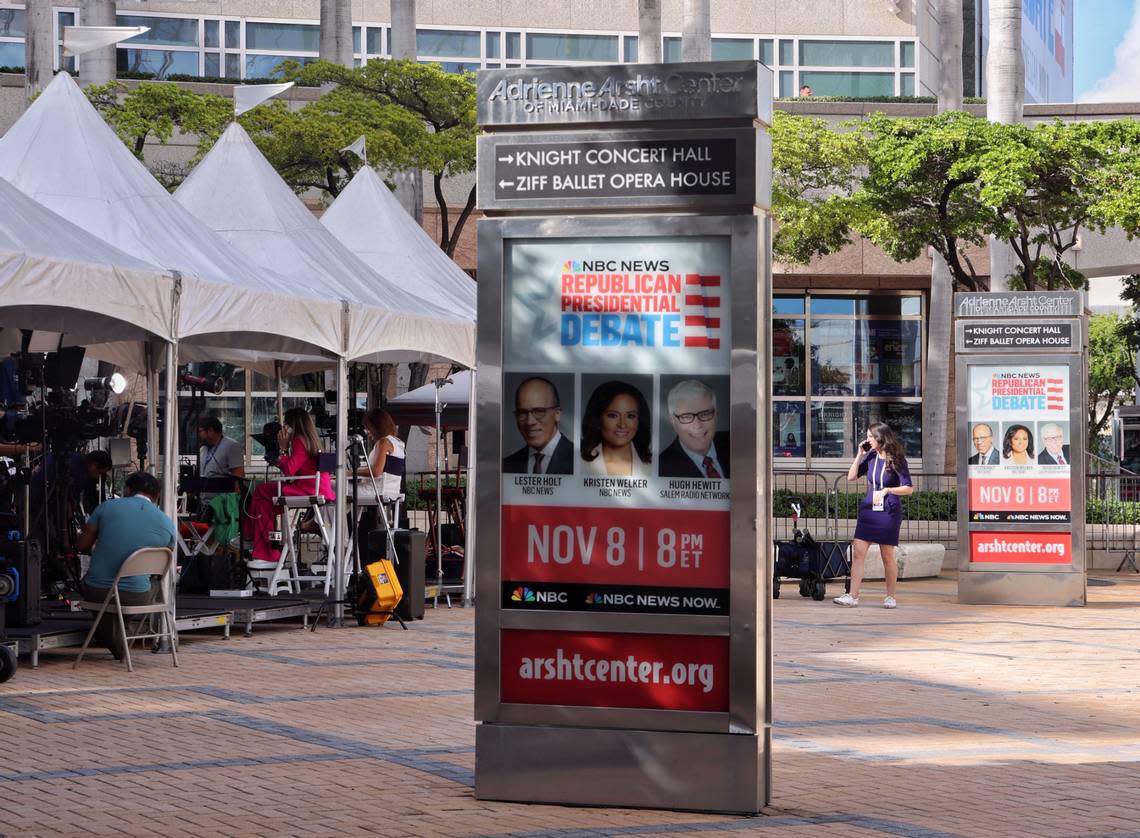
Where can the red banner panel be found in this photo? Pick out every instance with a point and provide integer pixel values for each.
(1021, 547)
(1044, 494)
(596, 669)
(617, 546)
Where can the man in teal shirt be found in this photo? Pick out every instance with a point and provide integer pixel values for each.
(117, 528)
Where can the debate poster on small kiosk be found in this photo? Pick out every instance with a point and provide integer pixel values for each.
(1019, 432)
(616, 442)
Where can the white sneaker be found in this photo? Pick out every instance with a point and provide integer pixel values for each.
(847, 600)
(889, 602)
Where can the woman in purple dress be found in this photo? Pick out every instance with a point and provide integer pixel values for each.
(882, 459)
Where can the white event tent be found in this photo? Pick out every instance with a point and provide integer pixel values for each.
(62, 154)
(369, 221)
(239, 194)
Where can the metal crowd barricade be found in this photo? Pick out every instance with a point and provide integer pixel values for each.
(930, 515)
(813, 492)
(1113, 517)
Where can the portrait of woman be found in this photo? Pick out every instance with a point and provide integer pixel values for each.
(1017, 446)
(616, 432)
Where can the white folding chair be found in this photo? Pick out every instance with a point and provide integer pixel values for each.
(149, 561)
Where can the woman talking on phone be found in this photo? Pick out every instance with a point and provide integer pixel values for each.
(882, 459)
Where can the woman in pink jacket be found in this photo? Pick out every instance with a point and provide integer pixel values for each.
(298, 437)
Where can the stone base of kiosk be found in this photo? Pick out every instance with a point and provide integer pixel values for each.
(916, 561)
(626, 768)
(994, 587)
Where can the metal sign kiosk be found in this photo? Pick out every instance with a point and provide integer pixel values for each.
(622, 633)
(1020, 376)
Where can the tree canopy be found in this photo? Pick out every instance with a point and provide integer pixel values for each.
(953, 179)
(1112, 368)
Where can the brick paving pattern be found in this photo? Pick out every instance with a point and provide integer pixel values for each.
(935, 720)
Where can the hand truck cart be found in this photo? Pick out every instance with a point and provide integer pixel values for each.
(813, 563)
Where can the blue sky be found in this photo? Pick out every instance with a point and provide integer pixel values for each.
(1098, 28)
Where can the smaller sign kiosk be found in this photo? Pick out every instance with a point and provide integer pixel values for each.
(1021, 383)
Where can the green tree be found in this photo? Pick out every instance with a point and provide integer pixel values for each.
(304, 145)
(152, 111)
(444, 103)
(1112, 368)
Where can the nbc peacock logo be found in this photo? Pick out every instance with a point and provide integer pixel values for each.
(571, 266)
(521, 594)
(593, 599)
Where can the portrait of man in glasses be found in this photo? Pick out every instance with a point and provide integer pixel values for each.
(982, 438)
(538, 410)
(698, 449)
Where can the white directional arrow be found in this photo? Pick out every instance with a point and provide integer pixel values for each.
(508, 159)
(506, 184)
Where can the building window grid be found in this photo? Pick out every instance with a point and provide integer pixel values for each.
(806, 399)
(502, 59)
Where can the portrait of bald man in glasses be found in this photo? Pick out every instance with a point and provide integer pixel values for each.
(699, 449)
(538, 410)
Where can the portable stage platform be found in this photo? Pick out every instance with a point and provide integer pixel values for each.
(249, 610)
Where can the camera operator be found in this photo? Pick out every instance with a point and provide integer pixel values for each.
(219, 456)
(116, 529)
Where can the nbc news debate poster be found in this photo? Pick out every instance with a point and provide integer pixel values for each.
(616, 445)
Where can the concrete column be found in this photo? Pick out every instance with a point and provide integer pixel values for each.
(696, 31)
(97, 66)
(649, 32)
(409, 184)
(39, 46)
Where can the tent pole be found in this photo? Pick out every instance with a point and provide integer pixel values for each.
(277, 384)
(151, 410)
(341, 530)
(469, 547)
(170, 436)
(438, 495)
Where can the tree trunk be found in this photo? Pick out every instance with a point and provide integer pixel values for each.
(696, 32)
(950, 55)
(336, 32)
(1005, 101)
(97, 66)
(39, 47)
(409, 184)
(648, 31)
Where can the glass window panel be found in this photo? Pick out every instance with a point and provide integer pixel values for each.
(66, 62)
(443, 42)
(233, 66)
(888, 358)
(672, 51)
(788, 438)
(788, 357)
(732, 49)
(67, 18)
(787, 84)
(11, 54)
(213, 65)
(788, 53)
(832, 305)
(904, 418)
(849, 84)
(265, 66)
(373, 41)
(493, 65)
(543, 46)
(511, 66)
(630, 47)
(455, 66)
(906, 84)
(906, 53)
(833, 357)
(161, 63)
(283, 36)
(887, 306)
(212, 33)
(514, 45)
(767, 55)
(494, 40)
(847, 53)
(832, 429)
(230, 411)
(356, 39)
(233, 34)
(788, 305)
(164, 31)
(12, 24)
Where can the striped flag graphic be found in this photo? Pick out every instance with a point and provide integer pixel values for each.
(701, 310)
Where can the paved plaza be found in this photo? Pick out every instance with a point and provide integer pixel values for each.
(933, 720)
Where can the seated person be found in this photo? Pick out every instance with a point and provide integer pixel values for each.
(298, 436)
(219, 456)
(84, 472)
(385, 459)
(116, 529)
